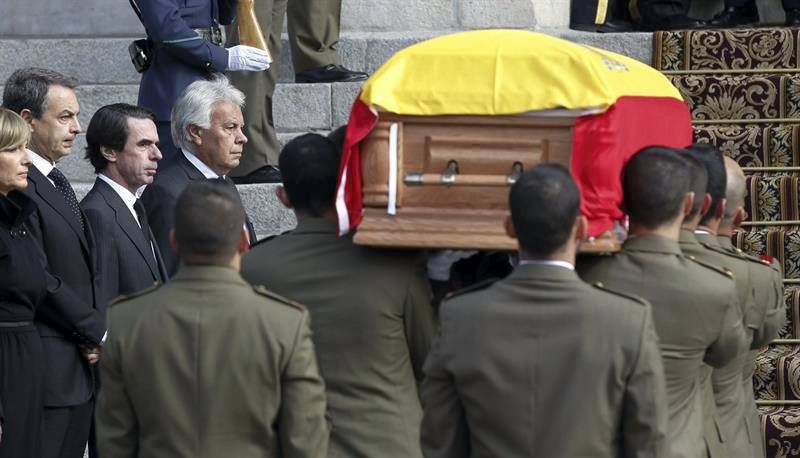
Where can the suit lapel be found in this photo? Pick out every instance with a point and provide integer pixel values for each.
(48, 193)
(128, 224)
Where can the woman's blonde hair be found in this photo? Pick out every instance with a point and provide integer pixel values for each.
(14, 131)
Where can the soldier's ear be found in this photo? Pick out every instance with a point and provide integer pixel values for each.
(719, 212)
(283, 197)
(706, 204)
(244, 242)
(688, 203)
(509, 225)
(741, 214)
(581, 228)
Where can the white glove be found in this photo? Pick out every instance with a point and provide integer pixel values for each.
(247, 58)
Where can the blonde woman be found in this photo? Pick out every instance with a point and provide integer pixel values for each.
(23, 285)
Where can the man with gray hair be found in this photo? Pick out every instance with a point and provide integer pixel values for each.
(207, 128)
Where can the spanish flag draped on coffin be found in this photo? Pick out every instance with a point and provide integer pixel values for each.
(613, 105)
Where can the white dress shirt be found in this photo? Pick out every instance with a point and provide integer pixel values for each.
(126, 196)
(548, 262)
(200, 165)
(42, 164)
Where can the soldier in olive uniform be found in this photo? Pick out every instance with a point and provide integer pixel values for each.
(541, 363)
(695, 308)
(768, 315)
(727, 434)
(207, 365)
(371, 312)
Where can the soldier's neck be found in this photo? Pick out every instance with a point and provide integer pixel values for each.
(670, 231)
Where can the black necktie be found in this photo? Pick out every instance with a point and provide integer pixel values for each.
(65, 189)
(138, 207)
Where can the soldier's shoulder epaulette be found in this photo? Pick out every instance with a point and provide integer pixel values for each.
(720, 250)
(721, 270)
(262, 291)
(763, 260)
(127, 297)
(270, 238)
(471, 288)
(633, 297)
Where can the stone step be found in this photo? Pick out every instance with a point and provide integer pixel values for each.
(105, 61)
(266, 212)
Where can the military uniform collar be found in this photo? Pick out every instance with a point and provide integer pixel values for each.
(316, 226)
(725, 242)
(652, 244)
(687, 237)
(543, 271)
(209, 273)
(707, 238)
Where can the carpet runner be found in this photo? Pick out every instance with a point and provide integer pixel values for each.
(743, 89)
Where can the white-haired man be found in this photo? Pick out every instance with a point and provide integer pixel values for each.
(207, 128)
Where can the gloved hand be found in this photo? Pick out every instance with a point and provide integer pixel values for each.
(247, 58)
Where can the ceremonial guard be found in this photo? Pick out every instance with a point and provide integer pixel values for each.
(695, 308)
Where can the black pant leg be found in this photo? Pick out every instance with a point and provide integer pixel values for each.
(67, 430)
(651, 10)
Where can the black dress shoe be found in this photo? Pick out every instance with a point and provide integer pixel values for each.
(734, 16)
(266, 174)
(793, 18)
(675, 22)
(615, 26)
(330, 74)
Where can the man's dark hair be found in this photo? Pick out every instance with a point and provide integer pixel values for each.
(714, 163)
(27, 88)
(109, 128)
(654, 183)
(209, 217)
(697, 184)
(544, 203)
(309, 165)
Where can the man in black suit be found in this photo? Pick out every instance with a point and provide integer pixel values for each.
(207, 128)
(46, 100)
(123, 148)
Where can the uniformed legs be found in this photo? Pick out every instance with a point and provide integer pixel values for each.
(165, 144)
(21, 371)
(262, 147)
(66, 430)
(313, 33)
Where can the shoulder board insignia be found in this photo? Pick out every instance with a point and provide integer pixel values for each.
(126, 297)
(722, 270)
(723, 251)
(471, 288)
(262, 291)
(633, 297)
(768, 260)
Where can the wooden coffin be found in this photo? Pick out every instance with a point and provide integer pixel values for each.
(452, 176)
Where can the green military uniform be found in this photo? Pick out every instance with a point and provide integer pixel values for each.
(208, 366)
(727, 398)
(543, 364)
(262, 147)
(373, 324)
(313, 33)
(766, 321)
(697, 319)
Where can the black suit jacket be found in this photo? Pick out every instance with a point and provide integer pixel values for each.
(63, 325)
(125, 258)
(160, 197)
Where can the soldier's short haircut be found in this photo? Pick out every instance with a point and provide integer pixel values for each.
(109, 127)
(654, 183)
(196, 104)
(309, 166)
(337, 137)
(736, 189)
(209, 218)
(27, 88)
(714, 163)
(544, 204)
(697, 184)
